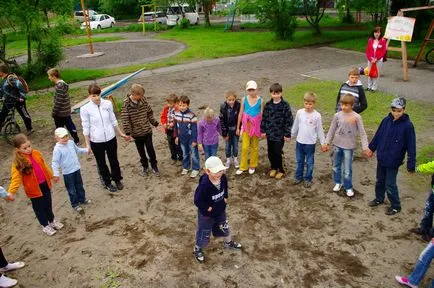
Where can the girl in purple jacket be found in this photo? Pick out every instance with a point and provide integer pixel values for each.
(208, 133)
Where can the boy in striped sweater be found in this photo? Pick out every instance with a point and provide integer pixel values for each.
(354, 87)
(137, 121)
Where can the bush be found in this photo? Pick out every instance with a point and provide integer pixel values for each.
(277, 13)
(184, 23)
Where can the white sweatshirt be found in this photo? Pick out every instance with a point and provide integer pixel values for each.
(98, 121)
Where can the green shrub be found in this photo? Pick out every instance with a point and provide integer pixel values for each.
(277, 13)
(184, 23)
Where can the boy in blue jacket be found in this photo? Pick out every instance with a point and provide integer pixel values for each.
(394, 138)
(210, 198)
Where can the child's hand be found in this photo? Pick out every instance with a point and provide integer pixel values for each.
(200, 147)
(193, 144)
(263, 135)
(56, 179)
(10, 197)
(238, 132)
(226, 200)
(368, 153)
(324, 148)
(287, 139)
(176, 141)
(209, 209)
(226, 138)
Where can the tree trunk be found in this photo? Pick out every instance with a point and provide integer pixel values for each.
(317, 29)
(46, 17)
(3, 47)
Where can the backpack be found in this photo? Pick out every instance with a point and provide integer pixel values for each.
(19, 78)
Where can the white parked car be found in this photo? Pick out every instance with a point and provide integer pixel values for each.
(79, 15)
(174, 14)
(100, 21)
(159, 16)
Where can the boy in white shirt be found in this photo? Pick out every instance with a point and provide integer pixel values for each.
(307, 128)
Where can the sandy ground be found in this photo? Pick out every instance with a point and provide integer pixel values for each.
(144, 235)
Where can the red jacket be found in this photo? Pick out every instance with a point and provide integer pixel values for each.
(379, 53)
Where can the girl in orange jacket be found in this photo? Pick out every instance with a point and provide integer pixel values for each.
(29, 168)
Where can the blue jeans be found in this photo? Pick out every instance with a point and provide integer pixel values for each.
(343, 156)
(426, 222)
(187, 149)
(231, 148)
(74, 186)
(422, 265)
(210, 150)
(304, 152)
(206, 225)
(386, 182)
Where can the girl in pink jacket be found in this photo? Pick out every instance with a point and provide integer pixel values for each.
(375, 51)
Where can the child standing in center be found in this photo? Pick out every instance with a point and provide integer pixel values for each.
(276, 127)
(307, 128)
(167, 120)
(345, 126)
(228, 121)
(249, 127)
(208, 133)
(30, 169)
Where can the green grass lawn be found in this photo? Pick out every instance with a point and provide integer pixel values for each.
(359, 44)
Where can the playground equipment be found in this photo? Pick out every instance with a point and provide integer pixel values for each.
(154, 5)
(426, 40)
(231, 16)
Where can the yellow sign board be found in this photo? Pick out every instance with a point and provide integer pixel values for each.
(400, 28)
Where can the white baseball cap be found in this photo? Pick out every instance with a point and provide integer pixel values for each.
(251, 85)
(61, 132)
(214, 164)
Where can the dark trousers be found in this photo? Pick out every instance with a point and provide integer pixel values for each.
(3, 261)
(175, 150)
(22, 110)
(43, 206)
(426, 222)
(100, 150)
(74, 186)
(68, 124)
(386, 183)
(275, 154)
(143, 142)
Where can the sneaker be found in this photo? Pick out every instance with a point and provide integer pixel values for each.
(337, 187)
(12, 266)
(194, 173)
(179, 163)
(119, 185)
(87, 201)
(417, 231)
(56, 225)
(145, 171)
(296, 181)
(6, 282)
(156, 172)
(111, 188)
(404, 281)
(252, 171)
(350, 192)
(228, 163)
(184, 172)
(48, 230)
(368, 89)
(239, 172)
(375, 203)
(279, 175)
(273, 173)
(307, 184)
(236, 163)
(392, 211)
(232, 244)
(198, 254)
(78, 209)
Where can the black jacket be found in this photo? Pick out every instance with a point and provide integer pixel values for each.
(277, 120)
(228, 119)
(207, 195)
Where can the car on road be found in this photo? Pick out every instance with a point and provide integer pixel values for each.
(174, 14)
(100, 21)
(79, 15)
(159, 16)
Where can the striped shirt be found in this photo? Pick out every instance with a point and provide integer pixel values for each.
(137, 118)
(61, 101)
(186, 126)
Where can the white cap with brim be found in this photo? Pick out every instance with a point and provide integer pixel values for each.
(61, 132)
(398, 103)
(251, 85)
(214, 164)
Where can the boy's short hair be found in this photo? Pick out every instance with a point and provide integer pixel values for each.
(208, 112)
(347, 99)
(172, 98)
(230, 93)
(309, 97)
(137, 89)
(354, 71)
(94, 89)
(54, 72)
(276, 87)
(184, 99)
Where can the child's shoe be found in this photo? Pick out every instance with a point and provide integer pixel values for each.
(56, 225)
(296, 181)
(307, 184)
(337, 187)
(87, 201)
(231, 244)
(350, 192)
(392, 211)
(184, 172)
(119, 185)
(404, 281)
(156, 172)
(375, 203)
(252, 171)
(6, 282)
(78, 209)
(145, 171)
(198, 254)
(12, 266)
(273, 173)
(48, 230)
(194, 174)
(239, 172)
(236, 163)
(228, 163)
(279, 175)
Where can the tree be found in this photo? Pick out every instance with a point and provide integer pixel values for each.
(314, 11)
(207, 7)
(279, 15)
